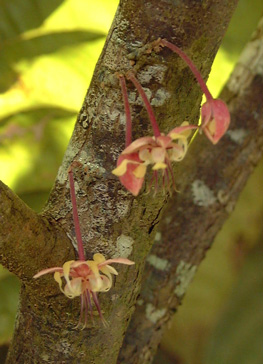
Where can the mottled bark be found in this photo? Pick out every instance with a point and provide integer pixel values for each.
(209, 180)
(27, 240)
(113, 222)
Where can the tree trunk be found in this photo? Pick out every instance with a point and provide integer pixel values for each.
(115, 223)
(210, 181)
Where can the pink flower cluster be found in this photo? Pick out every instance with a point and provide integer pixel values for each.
(161, 150)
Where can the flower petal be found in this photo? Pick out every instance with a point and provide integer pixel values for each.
(108, 270)
(159, 165)
(128, 179)
(116, 260)
(122, 167)
(215, 119)
(75, 289)
(139, 172)
(66, 271)
(57, 278)
(48, 270)
(143, 142)
(158, 155)
(183, 130)
(98, 258)
(106, 284)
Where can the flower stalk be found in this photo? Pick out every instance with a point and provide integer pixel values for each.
(84, 278)
(128, 138)
(156, 130)
(191, 65)
(81, 252)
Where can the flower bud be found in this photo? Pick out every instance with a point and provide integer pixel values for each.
(215, 119)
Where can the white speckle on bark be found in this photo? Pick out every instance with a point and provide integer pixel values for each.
(160, 97)
(45, 357)
(63, 346)
(168, 219)
(158, 236)
(114, 297)
(92, 167)
(140, 302)
(122, 208)
(249, 64)
(124, 246)
(222, 197)
(158, 263)
(113, 114)
(230, 207)
(184, 273)
(122, 119)
(237, 135)
(157, 72)
(153, 314)
(83, 156)
(70, 154)
(202, 194)
(132, 97)
(148, 92)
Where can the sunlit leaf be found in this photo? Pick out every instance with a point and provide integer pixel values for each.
(18, 16)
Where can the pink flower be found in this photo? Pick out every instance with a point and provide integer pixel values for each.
(129, 179)
(158, 151)
(85, 279)
(215, 119)
(214, 112)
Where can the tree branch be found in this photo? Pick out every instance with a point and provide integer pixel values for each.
(113, 222)
(210, 181)
(27, 240)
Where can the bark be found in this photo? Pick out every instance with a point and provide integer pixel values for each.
(27, 240)
(113, 222)
(210, 184)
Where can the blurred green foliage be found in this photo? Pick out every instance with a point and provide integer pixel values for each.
(48, 53)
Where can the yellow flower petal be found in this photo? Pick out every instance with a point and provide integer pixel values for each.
(177, 136)
(122, 167)
(111, 270)
(57, 278)
(140, 171)
(66, 270)
(94, 279)
(159, 165)
(75, 289)
(98, 258)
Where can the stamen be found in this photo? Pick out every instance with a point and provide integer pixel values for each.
(82, 308)
(96, 301)
(172, 174)
(155, 173)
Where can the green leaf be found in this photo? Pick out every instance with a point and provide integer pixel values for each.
(18, 16)
(49, 51)
(28, 49)
(38, 138)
